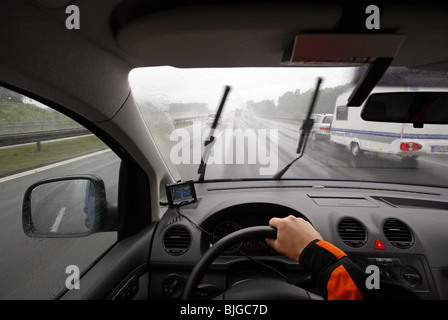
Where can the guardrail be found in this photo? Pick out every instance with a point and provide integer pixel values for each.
(290, 119)
(186, 119)
(34, 126)
(12, 139)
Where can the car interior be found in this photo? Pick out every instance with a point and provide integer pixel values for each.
(76, 56)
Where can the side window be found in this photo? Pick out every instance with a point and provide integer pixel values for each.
(341, 113)
(37, 144)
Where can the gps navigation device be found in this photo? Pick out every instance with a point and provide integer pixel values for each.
(181, 193)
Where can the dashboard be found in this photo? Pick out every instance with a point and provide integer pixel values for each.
(399, 228)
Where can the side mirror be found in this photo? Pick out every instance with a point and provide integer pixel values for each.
(66, 207)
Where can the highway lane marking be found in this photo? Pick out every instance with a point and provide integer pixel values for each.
(51, 166)
(58, 220)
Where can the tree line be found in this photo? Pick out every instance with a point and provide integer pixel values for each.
(193, 108)
(297, 103)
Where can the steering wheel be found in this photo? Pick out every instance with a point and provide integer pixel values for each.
(251, 289)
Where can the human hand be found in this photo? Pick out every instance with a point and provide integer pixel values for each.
(293, 235)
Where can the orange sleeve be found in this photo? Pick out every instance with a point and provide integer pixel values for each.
(332, 271)
(338, 253)
(340, 286)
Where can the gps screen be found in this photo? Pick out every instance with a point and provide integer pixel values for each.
(181, 193)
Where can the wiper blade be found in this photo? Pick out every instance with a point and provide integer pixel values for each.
(209, 142)
(307, 125)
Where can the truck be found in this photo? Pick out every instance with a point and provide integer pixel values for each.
(401, 139)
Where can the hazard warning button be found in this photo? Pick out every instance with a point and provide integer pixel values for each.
(379, 245)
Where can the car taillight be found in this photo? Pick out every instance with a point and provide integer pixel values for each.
(410, 146)
(324, 128)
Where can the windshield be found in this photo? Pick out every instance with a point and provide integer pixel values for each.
(258, 131)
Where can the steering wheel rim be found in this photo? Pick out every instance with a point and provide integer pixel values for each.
(219, 247)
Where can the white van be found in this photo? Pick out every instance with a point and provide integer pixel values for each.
(402, 139)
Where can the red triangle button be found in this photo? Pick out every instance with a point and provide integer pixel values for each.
(379, 245)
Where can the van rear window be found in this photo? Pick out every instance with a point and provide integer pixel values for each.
(327, 119)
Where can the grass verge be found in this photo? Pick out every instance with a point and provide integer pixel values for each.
(20, 157)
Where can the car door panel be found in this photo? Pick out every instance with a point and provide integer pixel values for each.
(127, 260)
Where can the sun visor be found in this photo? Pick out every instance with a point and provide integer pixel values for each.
(347, 50)
(341, 49)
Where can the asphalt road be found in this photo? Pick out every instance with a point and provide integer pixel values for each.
(33, 268)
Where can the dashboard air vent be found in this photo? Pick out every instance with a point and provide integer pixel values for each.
(177, 240)
(398, 234)
(352, 232)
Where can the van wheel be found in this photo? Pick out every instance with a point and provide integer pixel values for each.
(355, 149)
(314, 136)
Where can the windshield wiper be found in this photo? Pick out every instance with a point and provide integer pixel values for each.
(209, 142)
(307, 125)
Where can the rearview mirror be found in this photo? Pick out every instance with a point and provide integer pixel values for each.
(418, 108)
(65, 207)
